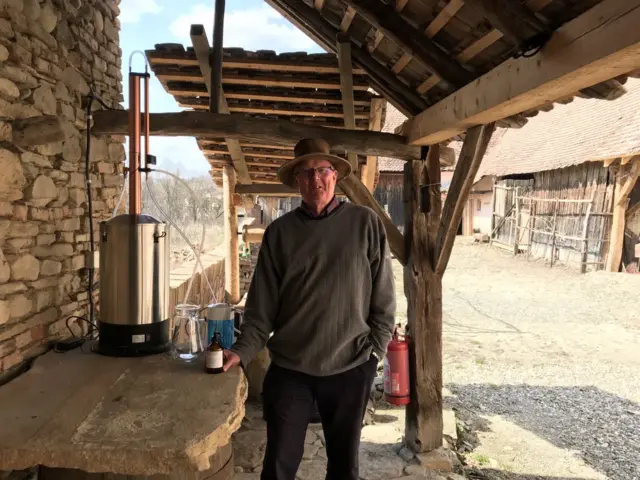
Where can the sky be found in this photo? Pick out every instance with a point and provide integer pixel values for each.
(249, 24)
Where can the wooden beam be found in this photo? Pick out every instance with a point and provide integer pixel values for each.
(601, 44)
(346, 80)
(201, 49)
(626, 179)
(349, 15)
(318, 4)
(370, 169)
(512, 19)
(423, 287)
(245, 129)
(384, 18)
(382, 80)
(232, 258)
(355, 190)
(473, 149)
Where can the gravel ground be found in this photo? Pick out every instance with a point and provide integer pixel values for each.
(545, 353)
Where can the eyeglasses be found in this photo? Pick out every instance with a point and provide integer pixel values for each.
(308, 173)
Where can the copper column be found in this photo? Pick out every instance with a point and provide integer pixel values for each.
(135, 183)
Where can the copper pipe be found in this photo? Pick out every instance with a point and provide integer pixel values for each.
(135, 185)
(146, 120)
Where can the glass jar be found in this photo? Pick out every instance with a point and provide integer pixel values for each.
(189, 334)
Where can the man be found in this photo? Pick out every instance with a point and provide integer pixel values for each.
(324, 288)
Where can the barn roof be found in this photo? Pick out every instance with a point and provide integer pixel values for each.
(584, 130)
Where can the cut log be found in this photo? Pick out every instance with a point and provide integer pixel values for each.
(355, 190)
(274, 132)
(423, 288)
(40, 130)
(473, 149)
(600, 44)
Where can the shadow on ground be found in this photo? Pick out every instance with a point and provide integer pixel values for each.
(602, 428)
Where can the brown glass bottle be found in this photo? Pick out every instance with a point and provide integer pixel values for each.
(213, 356)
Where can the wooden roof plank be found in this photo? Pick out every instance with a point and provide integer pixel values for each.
(600, 44)
(269, 81)
(384, 18)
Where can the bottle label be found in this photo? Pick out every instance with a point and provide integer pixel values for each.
(214, 359)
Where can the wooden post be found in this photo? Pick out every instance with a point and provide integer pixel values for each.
(585, 235)
(346, 86)
(626, 178)
(232, 259)
(553, 231)
(370, 169)
(517, 224)
(473, 149)
(423, 288)
(493, 210)
(532, 218)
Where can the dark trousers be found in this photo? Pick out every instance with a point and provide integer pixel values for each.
(288, 398)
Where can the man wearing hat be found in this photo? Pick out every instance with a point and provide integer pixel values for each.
(322, 300)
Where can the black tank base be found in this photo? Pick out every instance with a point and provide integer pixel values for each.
(133, 340)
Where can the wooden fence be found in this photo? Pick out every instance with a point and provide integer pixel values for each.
(562, 216)
(200, 293)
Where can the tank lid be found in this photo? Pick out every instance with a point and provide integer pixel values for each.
(130, 219)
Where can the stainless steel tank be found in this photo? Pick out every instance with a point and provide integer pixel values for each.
(134, 286)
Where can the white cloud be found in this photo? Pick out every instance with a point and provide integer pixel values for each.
(259, 28)
(132, 10)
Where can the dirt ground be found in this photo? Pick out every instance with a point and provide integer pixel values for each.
(543, 366)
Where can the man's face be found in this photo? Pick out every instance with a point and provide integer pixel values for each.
(317, 181)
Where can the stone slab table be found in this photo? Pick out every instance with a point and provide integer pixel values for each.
(86, 416)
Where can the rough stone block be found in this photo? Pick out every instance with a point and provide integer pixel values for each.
(44, 100)
(9, 89)
(436, 460)
(26, 267)
(48, 17)
(44, 299)
(35, 159)
(56, 250)
(20, 306)
(50, 149)
(6, 209)
(11, 361)
(20, 213)
(5, 311)
(74, 80)
(22, 229)
(40, 214)
(12, 180)
(5, 268)
(6, 132)
(42, 191)
(11, 288)
(50, 267)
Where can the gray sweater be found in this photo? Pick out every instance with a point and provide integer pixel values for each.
(324, 287)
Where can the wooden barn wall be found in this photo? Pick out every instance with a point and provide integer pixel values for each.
(388, 193)
(538, 220)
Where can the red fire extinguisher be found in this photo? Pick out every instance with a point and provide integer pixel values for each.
(396, 371)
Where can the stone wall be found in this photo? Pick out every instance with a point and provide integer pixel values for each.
(51, 53)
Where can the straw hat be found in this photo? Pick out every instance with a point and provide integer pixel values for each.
(308, 148)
